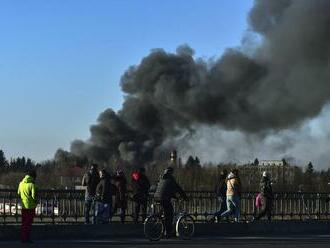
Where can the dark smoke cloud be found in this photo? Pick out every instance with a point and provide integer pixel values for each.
(283, 83)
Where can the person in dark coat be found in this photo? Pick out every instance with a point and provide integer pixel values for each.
(90, 180)
(121, 194)
(140, 189)
(167, 188)
(266, 192)
(220, 191)
(103, 198)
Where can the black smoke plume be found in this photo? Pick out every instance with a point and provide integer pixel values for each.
(284, 81)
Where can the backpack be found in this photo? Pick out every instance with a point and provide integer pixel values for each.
(258, 200)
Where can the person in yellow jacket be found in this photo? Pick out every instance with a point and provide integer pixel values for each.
(28, 193)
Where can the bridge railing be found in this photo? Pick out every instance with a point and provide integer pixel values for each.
(67, 206)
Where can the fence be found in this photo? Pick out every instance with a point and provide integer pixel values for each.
(67, 206)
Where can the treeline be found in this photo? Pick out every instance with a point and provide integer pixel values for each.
(191, 174)
(12, 170)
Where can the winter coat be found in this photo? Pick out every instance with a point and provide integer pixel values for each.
(103, 190)
(233, 185)
(140, 186)
(221, 187)
(167, 188)
(91, 179)
(28, 192)
(266, 187)
(121, 191)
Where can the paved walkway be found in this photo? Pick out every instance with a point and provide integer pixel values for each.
(315, 241)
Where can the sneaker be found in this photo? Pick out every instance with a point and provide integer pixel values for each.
(237, 220)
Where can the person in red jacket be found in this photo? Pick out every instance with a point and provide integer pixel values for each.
(140, 188)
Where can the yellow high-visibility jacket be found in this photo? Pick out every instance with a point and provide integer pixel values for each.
(28, 192)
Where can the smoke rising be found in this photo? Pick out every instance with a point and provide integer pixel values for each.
(309, 142)
(278, 86)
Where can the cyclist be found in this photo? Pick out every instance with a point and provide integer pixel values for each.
(167, 188)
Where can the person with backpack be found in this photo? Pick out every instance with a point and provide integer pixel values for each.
(257, 205)
(266, 197)
(103, 198)
(27, 191)
(90, 181)
(140, 189)
(233, 195)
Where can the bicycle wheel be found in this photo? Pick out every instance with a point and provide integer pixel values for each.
(185, 227)
(153, 228)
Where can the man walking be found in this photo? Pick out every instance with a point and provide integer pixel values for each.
(233, 195)
(220, 191)
(28, 193)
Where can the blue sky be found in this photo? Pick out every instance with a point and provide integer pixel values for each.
(61, 60)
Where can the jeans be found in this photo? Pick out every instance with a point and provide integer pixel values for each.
(223, 205)
(103, 212)
(89, 205)
(233, 207)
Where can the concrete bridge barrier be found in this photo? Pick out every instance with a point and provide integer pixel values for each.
(117, 230)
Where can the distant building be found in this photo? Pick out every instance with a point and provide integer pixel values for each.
(271, 163)
(280, 171)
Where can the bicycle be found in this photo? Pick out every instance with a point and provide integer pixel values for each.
(185, 224)
(154, 225)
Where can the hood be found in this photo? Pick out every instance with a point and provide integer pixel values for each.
(166, 176)
(231, 175)
(136, 176)
(28, 179)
